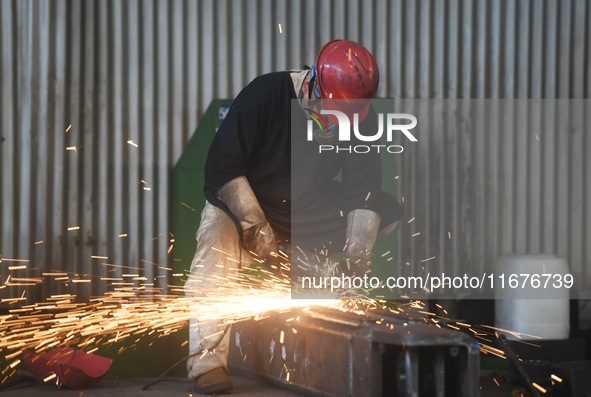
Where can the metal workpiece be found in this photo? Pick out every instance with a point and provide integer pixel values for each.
(327, 352)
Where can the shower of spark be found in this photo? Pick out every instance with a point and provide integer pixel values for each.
(131, 312)
(135, 310)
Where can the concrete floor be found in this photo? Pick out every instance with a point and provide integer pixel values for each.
(168, 387)
(180, 387)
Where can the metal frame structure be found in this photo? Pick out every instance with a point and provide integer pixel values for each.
(327, 352)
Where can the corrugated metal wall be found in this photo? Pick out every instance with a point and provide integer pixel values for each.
(491, 177)
(99, 97)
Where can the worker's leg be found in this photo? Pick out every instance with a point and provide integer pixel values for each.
(217, 255)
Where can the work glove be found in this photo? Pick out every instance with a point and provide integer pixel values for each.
(362, 232)
(257, 235)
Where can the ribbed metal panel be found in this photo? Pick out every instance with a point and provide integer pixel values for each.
(144, 71)
(516, 183)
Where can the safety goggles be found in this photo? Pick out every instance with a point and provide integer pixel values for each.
(313, 87)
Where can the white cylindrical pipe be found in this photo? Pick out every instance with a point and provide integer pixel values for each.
(528, 308)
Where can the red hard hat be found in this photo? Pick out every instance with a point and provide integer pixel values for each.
(347, 71)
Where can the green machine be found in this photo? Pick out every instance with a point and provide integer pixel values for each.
(188, 199)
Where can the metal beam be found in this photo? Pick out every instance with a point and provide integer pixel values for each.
(333, 353)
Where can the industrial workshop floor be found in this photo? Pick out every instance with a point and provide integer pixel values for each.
(169, 387)
(180, 387)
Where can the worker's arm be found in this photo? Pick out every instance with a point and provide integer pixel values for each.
(362, 179)
(233, 155)
(257, 234)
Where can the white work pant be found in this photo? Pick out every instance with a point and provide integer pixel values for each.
(218, 254)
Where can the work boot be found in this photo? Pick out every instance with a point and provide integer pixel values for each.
(214, 381)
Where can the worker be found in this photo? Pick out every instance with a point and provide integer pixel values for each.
(266, 184)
